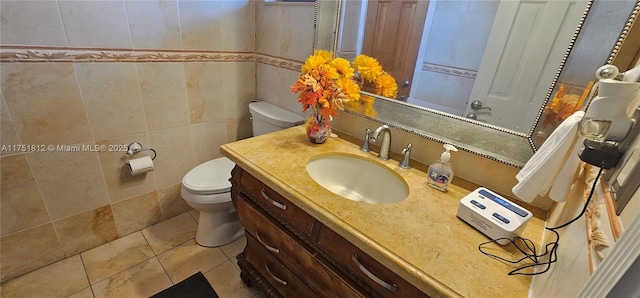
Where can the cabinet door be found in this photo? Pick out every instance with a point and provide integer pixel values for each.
(364, 268)
(275, 204)
(288, 251)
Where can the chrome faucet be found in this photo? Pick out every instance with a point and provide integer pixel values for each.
(386, 140)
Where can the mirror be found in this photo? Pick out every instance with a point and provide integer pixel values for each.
(589, 47)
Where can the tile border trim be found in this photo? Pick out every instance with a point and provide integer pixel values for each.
(100, 55)
(450, 70)
(37, 54)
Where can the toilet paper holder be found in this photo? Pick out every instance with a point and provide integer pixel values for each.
(135, 148)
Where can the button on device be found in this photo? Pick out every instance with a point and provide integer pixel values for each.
(501, 218)
(478, 204)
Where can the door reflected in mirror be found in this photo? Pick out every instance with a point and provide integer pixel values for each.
(492, 61)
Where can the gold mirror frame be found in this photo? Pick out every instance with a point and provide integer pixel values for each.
(493, 142)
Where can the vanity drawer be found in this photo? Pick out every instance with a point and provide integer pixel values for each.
(276, 204)
(318, 277)
(276, 274)
(365, 268)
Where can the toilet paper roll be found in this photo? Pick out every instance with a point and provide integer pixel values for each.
(140, 165)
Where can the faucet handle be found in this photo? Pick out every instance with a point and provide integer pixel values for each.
(365, 145)
(407, 155)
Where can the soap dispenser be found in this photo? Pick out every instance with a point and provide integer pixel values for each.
(440, 172)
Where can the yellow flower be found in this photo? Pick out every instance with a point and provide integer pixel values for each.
(386, 86)
(313, 62)
(327, 55)
(351, 89)
(330, 72)
(343, 67)
(369, 68)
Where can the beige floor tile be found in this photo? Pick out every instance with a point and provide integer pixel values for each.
(142, 280)
(189, 258)
(170, 233)
(59, 279)
(234, 248)
(85, 293)
(116, 256)
(225, 280)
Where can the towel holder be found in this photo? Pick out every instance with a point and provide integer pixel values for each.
(135, 148)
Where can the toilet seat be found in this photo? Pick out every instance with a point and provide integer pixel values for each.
(211, 177)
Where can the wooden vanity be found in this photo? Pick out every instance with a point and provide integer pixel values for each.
(289, 253)
(304, 241)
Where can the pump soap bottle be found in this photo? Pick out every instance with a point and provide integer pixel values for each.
(440, 172)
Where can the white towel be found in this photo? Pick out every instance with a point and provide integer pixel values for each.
(557, 154)
(568, 174)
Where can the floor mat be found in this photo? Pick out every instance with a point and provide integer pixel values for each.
(195, 286)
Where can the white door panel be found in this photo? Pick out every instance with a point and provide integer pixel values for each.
(525, 47)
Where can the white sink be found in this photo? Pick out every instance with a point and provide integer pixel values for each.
(357, 178)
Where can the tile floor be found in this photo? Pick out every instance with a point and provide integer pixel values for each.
(138, 265)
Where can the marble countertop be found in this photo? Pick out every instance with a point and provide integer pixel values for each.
(419, 238)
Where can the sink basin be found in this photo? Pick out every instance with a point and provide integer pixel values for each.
(357, 178)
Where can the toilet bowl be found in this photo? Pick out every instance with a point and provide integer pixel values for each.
(207, 189)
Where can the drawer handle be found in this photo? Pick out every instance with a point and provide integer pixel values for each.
(273, 202)
(284, 283)
(268, 247)
(390, 287)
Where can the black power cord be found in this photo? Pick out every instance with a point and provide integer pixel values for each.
(528, 248)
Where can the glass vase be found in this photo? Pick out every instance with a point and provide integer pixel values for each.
(318, 130)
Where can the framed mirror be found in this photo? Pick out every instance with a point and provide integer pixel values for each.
(593, 41)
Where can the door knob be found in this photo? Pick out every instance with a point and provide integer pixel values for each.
(405, 83)
(474, 116)
(476, 105)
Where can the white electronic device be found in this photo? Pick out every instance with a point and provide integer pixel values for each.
(493, 215)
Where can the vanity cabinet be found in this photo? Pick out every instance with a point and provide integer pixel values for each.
(291, 254)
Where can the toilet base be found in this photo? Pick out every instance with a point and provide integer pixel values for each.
(218, 228)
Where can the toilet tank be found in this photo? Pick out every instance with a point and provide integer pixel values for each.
(267, 118)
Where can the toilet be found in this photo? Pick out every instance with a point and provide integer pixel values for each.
(207, 189)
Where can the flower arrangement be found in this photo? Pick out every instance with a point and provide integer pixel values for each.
(327, 85)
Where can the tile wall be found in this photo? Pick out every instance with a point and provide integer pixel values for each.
(176, 76)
